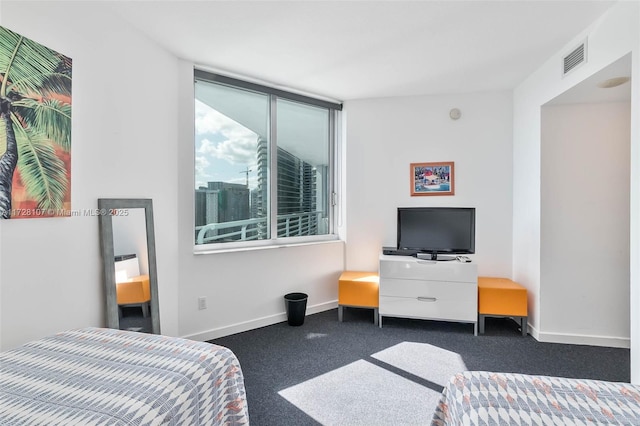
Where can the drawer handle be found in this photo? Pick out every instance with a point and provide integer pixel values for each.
(426, 299)
(426, 262)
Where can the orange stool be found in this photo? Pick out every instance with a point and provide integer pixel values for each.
(501, 297)
(358, 289)
(134, 292)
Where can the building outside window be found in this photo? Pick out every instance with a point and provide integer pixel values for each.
(264, 171)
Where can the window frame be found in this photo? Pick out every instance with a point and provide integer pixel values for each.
(334, 133)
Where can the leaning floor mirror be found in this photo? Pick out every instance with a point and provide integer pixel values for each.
(127, 242)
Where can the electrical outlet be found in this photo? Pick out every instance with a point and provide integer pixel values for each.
(202, 303)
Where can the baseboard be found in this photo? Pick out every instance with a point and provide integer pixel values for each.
(581, 339)
(215, 333)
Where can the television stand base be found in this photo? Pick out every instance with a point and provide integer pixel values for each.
(429, 256)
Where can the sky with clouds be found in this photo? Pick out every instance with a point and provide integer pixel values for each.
(224, 149)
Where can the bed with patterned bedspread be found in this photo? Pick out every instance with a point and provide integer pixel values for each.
(485, 398)
(98, 376)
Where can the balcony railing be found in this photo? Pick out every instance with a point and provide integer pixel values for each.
(289, 225)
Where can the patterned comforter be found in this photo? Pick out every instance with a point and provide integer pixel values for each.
(484, 398)
(97, 376)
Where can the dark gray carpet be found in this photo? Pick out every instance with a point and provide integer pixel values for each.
(278, 357)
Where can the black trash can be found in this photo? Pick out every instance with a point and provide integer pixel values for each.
(296, 305)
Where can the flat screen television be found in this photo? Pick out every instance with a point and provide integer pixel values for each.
(435, 230)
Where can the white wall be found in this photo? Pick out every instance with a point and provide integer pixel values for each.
(585, 223)
(611, 37)
(123, 145)
(386, 135)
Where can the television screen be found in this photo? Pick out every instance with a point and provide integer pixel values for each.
(437, 229)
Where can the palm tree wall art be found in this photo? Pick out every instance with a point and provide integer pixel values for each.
(35, 129)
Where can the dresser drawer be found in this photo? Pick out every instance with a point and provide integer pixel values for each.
(429, 308)
(441, 289)
(416, 269)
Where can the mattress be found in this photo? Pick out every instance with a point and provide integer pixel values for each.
(485, 398)
(96, 376)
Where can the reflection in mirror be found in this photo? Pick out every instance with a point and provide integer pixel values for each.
(129, 264)
(132, 270)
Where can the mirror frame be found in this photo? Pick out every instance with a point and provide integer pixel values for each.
(106, 208)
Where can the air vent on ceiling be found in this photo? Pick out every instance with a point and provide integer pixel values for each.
(577, 57)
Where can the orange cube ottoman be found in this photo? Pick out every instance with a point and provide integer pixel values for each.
(501, 297)
(358, 289)
(134, 292)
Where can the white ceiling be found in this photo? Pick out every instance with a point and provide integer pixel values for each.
(347, 50)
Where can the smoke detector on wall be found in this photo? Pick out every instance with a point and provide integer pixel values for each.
(455, 114)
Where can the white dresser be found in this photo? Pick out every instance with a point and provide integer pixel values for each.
(427, 289)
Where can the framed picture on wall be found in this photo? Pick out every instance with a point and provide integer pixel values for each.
(432, 178)
(35, 136)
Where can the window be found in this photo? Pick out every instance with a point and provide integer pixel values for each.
(264, 164)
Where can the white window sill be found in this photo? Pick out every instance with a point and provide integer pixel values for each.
(200, 249)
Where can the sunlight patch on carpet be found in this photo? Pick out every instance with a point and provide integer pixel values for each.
(362, 393)
(429, 362)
